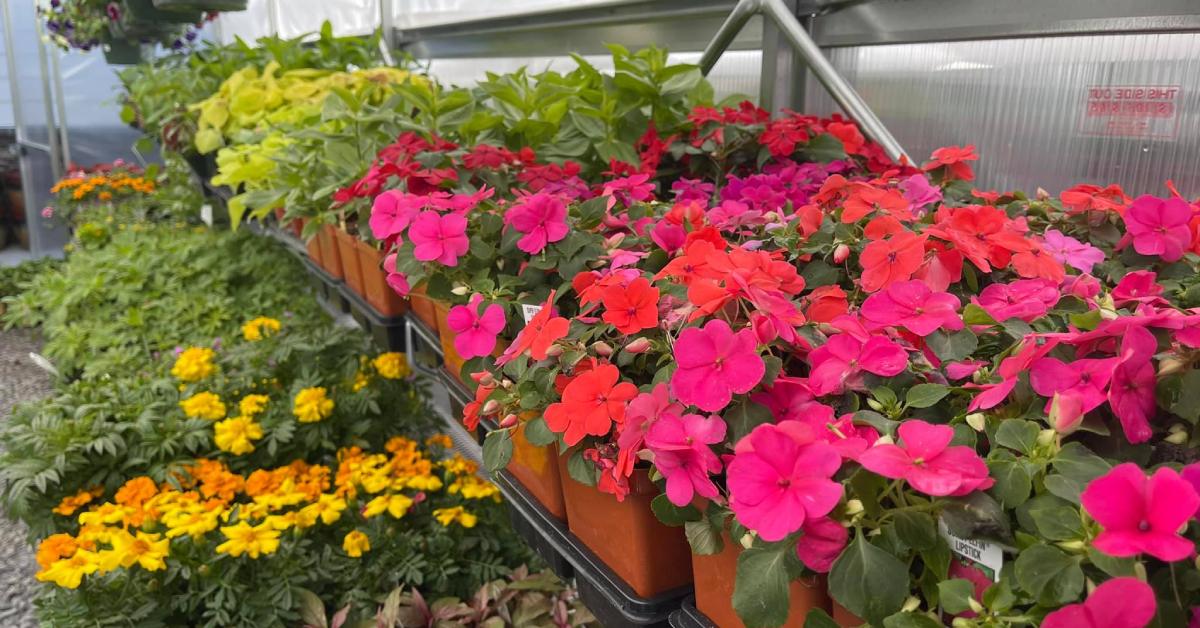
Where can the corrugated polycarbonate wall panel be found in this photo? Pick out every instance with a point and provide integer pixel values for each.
(1049, 112)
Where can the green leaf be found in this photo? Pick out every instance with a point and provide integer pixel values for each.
(1074, 467)
(1048, 573)
(817, 273)
(881, 423)
(704, 537)
(1055, 518)
(538, 433)
(825, 148)
(917, 529)
(868, 581)
(955, 595)
(760, 592)
(975, 315)
(1018, 434)
(581, 469)
(673, 515)
(956, 346)
(1013, 482)
(818, 618)
(1188, 404)
(497, 450)
(925, 395)
(745, 416)
(312, 609)
(1112, 565)
(1016, 328)
(911, 620)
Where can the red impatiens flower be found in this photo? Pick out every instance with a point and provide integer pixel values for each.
(631, 308)
(865, 200)
(954, 159)
(1084, 198)
(543, 330)
(489, 157)
(928, 462)
(1141, 515)
(591, 403)
(891, 260)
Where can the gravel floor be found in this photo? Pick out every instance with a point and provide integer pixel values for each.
(20, 381)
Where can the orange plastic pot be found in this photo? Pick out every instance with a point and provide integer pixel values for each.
(330, 260)
(376, 290)
(650, 557)
(450, 356)
(423, 307)
(313, 245)
(715, 577)
(844, 617)
(536, 468)
(348, 253)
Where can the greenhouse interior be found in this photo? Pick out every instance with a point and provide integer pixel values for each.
(600, 313)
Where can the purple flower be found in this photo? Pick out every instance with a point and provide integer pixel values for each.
(919, 192)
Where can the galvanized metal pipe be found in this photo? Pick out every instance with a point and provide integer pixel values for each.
(57, 165)
(841, 91)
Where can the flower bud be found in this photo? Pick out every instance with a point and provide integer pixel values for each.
(509, 420)
(485, 379)
(977, 421)
(506, 384)
(554, 350)
(976, 607)
(491, 407)
(1170, 365)
(614, 241)
(841, 253)
(1042, 195)
(1178, 435)
(771, 217)
(875, 405)
(461, 290)
(911, 604)
(854, 506)
(747, 540)
(1045, 437)
(639, 345)
(602, 349)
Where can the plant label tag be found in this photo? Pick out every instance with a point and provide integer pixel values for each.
(529, 311)
(985, 556)
(206, 214)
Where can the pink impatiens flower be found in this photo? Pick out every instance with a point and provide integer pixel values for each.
(912, 305)
(714, 363)
(440, 238)
(1078, 387)
(1159, 226)
(1070, 251)
(682, 453)
(822, 542)
(1131, 392)
(396, 280)
(839, 363)
(928, 462)
(475, 333)
(1118, 603)
(1141, 515)
(1026, 299)
(541, 217)
(780, 477)
(392, 212)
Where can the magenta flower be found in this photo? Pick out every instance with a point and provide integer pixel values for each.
(1139, 286)
(682, 453)
(713, 364)
(475, 333)
(912, 305)
(822, 542)
(1118, 603)
(927, 461)
(1141, 515)
(397, 281)
(780, 477)
(392, 212)
(840, 362)
(1072, 252)
(918, 191)
(1026, 299)
(1131, 393)
(541, 217)
(1080, 387)
(643, 411)
(1159, 226)
(440, 238)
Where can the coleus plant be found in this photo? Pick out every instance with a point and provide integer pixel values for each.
(868, 368)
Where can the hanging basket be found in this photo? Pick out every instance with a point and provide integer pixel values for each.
(201, 5)
(123, 52)
(139, 14)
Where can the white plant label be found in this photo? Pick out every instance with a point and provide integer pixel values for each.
(206, 214)
(529, 311)
(988, 557)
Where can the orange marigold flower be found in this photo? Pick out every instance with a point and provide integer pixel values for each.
(135, 492)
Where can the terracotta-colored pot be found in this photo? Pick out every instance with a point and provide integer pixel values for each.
(715, 576)
(423, 307)
(378, 293)
(844, 617)
(536, 468)
(650, 557)
(313, 245)
(296, 227)
(450, 356)
(330, 260)
(348, 253)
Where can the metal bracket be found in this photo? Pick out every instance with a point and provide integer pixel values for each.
(790, 29)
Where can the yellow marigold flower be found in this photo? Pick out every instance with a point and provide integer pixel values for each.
(254, 541)
(251, 405)
(260, 328)
(312, 405)
(396, 504)
(446, 516)
(439, 440)
(194, 364)
(361, 381)
(472, 487)
(236, 435)
(194, 522)
(105, 514)
(421, 482)
(328, 508)
(392, 365)
(69, 572)
(55, 547)
(204, 405)
(147, 550)
(355, 544)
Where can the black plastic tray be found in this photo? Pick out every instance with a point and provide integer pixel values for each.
(613, 603)
(688, 616)
(388, 331)
(329, 288)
